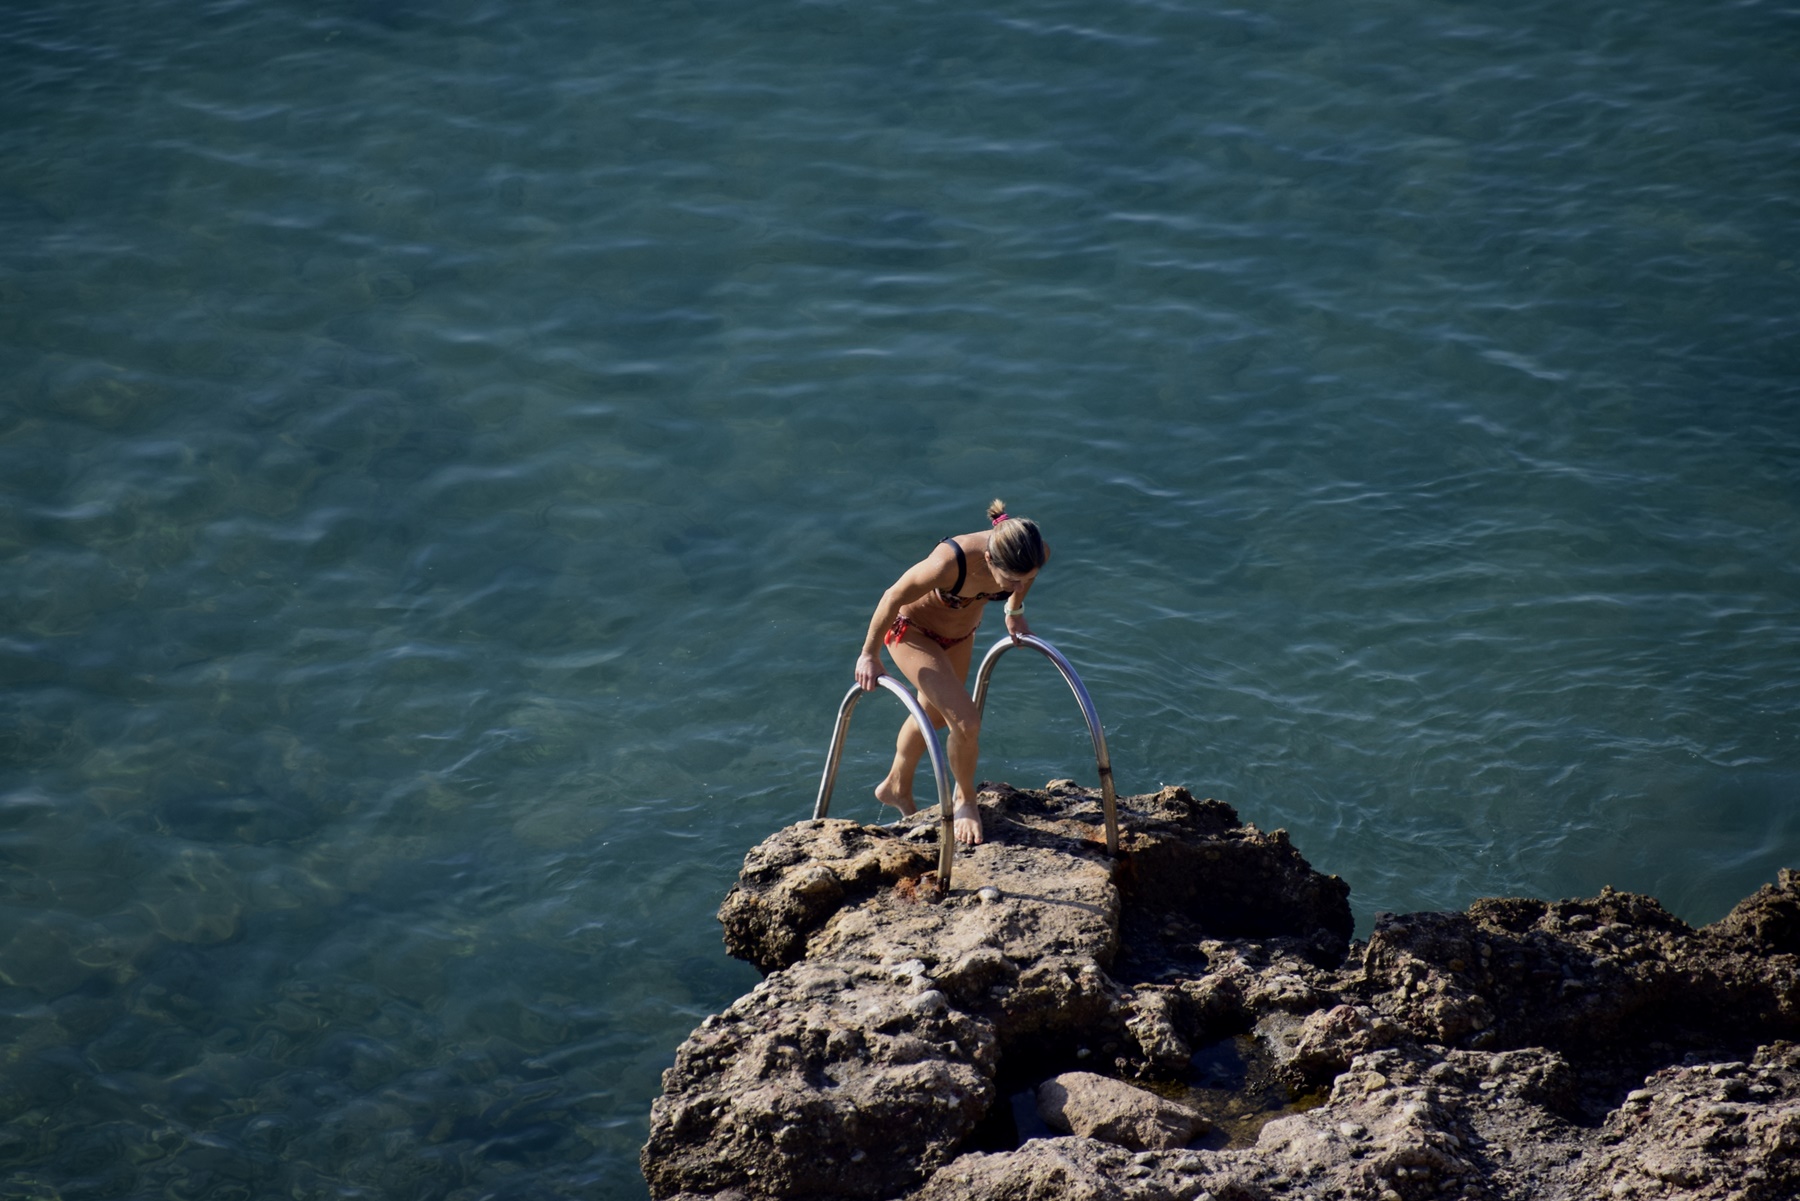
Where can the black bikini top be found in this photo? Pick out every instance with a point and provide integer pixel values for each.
(962, 571)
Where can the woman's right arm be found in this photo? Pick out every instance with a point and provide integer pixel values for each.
(928, 573)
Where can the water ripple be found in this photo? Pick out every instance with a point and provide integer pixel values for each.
(455, 452)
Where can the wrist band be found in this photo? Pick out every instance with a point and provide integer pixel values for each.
(1013, 612)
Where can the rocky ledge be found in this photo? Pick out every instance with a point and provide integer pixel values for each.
(1190, 1020)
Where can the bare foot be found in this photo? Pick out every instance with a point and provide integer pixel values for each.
(967, 820)
(889, 794)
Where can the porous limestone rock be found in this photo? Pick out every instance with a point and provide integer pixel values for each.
(1083, 1169)
(802, 875)
(1094, 1106)
(1521, 1050)
(827, 1080)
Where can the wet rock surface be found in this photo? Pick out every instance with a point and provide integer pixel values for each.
(904, 1040)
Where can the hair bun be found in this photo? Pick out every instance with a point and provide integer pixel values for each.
(1015, 541)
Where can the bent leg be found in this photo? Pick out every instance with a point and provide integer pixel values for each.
(896, 788)
(938, 675)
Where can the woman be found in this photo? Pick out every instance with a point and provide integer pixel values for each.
(928, 620)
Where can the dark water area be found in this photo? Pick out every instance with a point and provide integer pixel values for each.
(1233, 1084)
(449, 454)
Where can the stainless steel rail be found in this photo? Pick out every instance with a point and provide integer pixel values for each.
(1109, 800)
(940, 767)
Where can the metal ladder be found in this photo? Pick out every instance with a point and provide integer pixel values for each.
(940, 764)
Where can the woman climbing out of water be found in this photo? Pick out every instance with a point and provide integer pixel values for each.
(927, 620)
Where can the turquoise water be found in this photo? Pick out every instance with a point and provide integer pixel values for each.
(449, 454)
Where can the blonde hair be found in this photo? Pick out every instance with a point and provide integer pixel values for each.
(1015, 542)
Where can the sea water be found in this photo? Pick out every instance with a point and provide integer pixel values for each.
(450, 452)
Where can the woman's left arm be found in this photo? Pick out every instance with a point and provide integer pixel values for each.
(1014, 608)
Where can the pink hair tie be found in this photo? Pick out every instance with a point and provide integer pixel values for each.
(999, 519)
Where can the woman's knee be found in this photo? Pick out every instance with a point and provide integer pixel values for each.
(964, 725)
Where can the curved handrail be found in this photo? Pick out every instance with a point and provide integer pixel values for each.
(940, 766)
(1109, 801)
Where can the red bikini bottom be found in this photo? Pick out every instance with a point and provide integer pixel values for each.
(897, 631)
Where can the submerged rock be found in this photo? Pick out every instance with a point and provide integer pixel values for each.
(1522, 1049)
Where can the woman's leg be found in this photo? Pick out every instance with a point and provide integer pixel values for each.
(939, 676)
(896, 788)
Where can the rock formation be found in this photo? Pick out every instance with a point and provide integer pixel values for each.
(1055, 1026)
